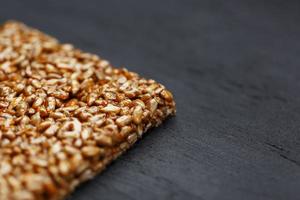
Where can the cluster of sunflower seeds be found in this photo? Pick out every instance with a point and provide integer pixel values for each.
(65, 114)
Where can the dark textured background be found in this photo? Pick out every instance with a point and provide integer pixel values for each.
(234, 68)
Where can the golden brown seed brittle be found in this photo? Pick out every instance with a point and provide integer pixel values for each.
(65, 114)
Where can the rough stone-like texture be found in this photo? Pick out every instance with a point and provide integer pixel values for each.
(233, 67)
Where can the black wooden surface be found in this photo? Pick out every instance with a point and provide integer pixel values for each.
(234, 68)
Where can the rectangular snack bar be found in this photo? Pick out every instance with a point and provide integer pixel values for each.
(65, 114)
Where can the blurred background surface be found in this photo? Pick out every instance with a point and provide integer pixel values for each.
(234, 68)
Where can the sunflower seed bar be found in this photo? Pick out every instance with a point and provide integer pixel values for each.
(65, 114)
